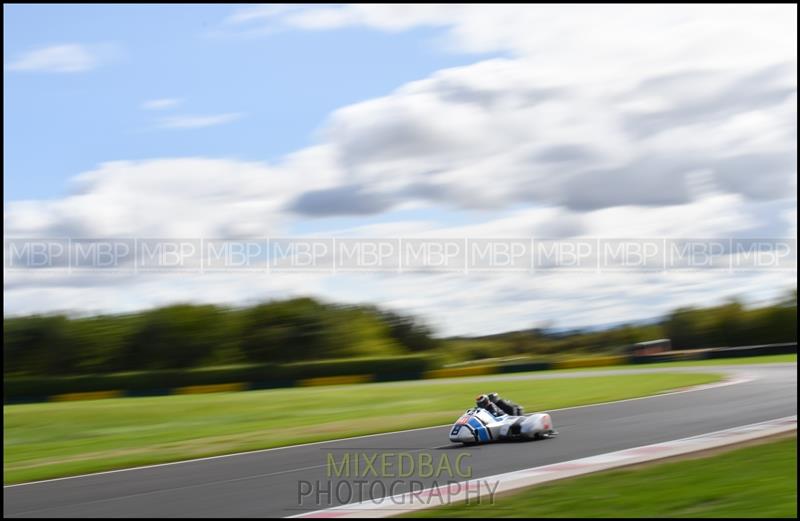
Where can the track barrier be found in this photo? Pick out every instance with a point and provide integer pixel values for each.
(23, 390)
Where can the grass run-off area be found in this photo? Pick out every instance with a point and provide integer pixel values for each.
(58, 439)
(756, 481)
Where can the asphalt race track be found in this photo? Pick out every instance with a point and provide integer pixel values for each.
(266, 483)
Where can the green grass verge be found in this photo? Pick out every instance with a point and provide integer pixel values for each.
(757, 481)
(58, 439)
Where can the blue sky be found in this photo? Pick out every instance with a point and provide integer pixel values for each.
(283, 84)
(419, 121)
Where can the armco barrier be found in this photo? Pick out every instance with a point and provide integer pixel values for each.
(92, 395)
(521, 367)
(451, 372)
(213, 388)
(20, 396)
(769, 349)
(598, 361)
(335, 380)
(716, 352)
(136, 393)
(397, 377)
(271, 384)
(31, 389)
(699, 354)
(652, 359)
(384, 366)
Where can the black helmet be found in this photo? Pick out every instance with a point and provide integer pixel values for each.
(493, 397)
(482, 400)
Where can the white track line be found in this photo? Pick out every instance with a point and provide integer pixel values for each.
(723, 383)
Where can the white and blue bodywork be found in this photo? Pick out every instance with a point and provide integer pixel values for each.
(477, 425)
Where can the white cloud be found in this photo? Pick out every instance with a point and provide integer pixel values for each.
(161, 103)
(188, 198)
(62, 58)
(612, 121)
(580, 118)
(199, 121)
(180, 197)
(495, 134)
(584, 40)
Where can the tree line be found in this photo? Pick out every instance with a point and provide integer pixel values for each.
(303, 329)
(186, 336)
(728, 324)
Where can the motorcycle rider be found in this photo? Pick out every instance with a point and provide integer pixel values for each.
(484, 402)
(498, 406)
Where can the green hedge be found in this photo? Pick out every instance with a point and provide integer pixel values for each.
(260, 376)
(140, 382)
(384, 368)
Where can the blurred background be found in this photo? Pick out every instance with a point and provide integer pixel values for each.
(371, 122)
(198, 200)
(284, 332)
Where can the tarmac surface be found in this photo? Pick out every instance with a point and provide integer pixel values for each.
(294, 480)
